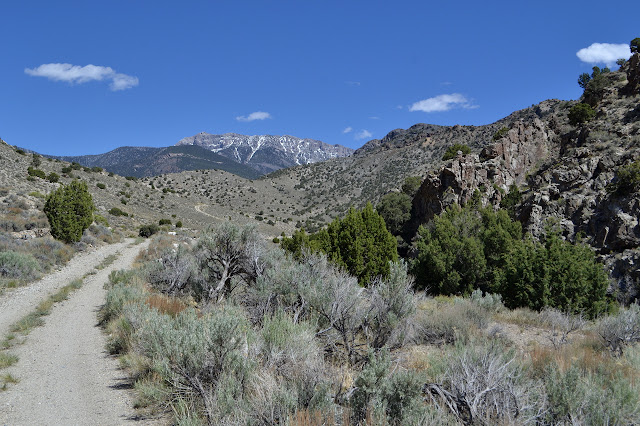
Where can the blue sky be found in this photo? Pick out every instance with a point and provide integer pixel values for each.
(343, 72)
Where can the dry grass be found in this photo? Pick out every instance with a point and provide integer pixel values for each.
(166, 304)
(588, 354)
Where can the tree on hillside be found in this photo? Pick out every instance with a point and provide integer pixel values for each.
(453, 150)
(69, 210)
(584, 79)
(395, 209)
(411, 185)
(634, 45)
(580, 113)
(362, 244)
(450, 256)
(464, 249)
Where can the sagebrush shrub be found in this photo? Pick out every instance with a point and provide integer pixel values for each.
(621, 330)
(206, 355)
(21, 266)
(485, 384)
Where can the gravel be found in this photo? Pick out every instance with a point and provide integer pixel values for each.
(66, 376)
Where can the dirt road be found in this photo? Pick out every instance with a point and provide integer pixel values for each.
(66, 377)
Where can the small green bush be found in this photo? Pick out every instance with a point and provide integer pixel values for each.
(117, 212)
(53, 177)
(36, 172)
(101, 185)
(627, 179)
(179, 224)
(500, 133)
(580, 113)
(100, 220)
(131, 178)
(452, 151)
(148, 230)
(164, 222)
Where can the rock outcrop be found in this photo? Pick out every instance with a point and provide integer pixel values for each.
(498, 166)
(565, 175)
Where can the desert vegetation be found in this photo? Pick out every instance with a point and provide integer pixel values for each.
(231, 329)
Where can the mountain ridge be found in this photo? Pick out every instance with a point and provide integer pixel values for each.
(267, 153)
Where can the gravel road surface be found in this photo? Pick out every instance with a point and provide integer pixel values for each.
(66, 376)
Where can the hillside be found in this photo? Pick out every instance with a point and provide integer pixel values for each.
(312, 195)
(147, 161)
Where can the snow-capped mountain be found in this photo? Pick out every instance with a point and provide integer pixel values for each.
(267, 153)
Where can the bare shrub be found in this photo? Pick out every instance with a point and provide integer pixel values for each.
(621, 330)
(101, 233)
(281, 288)
(391, 302)
(49, 252)
(340, 305)
(171, 272)
(562, 324)
(228, 255)
(486, 385)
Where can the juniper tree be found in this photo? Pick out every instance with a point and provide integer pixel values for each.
(69, 210)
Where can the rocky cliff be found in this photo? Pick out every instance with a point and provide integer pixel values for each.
(565, 173)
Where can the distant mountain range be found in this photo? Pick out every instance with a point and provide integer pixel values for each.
(267, 153)
(246, 156)
(145, 161)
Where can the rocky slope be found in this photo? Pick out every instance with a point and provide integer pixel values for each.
(565, 173)
(267, 153)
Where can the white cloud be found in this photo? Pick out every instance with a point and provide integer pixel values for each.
(363, 134)
(77, 74)
(258, 115)
(604, 53)
(348, 130)
(442, 103)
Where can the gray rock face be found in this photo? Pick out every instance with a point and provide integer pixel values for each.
(492, 172)
(565, 175)
(267, 153)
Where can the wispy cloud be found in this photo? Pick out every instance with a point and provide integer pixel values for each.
(76, 74)
(363, 134)
(352, 83)
(604, 53)
(258, 115)
(442, 103)
(348, 130)
(374, 118)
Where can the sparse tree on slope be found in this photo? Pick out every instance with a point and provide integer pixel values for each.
(69, 210)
